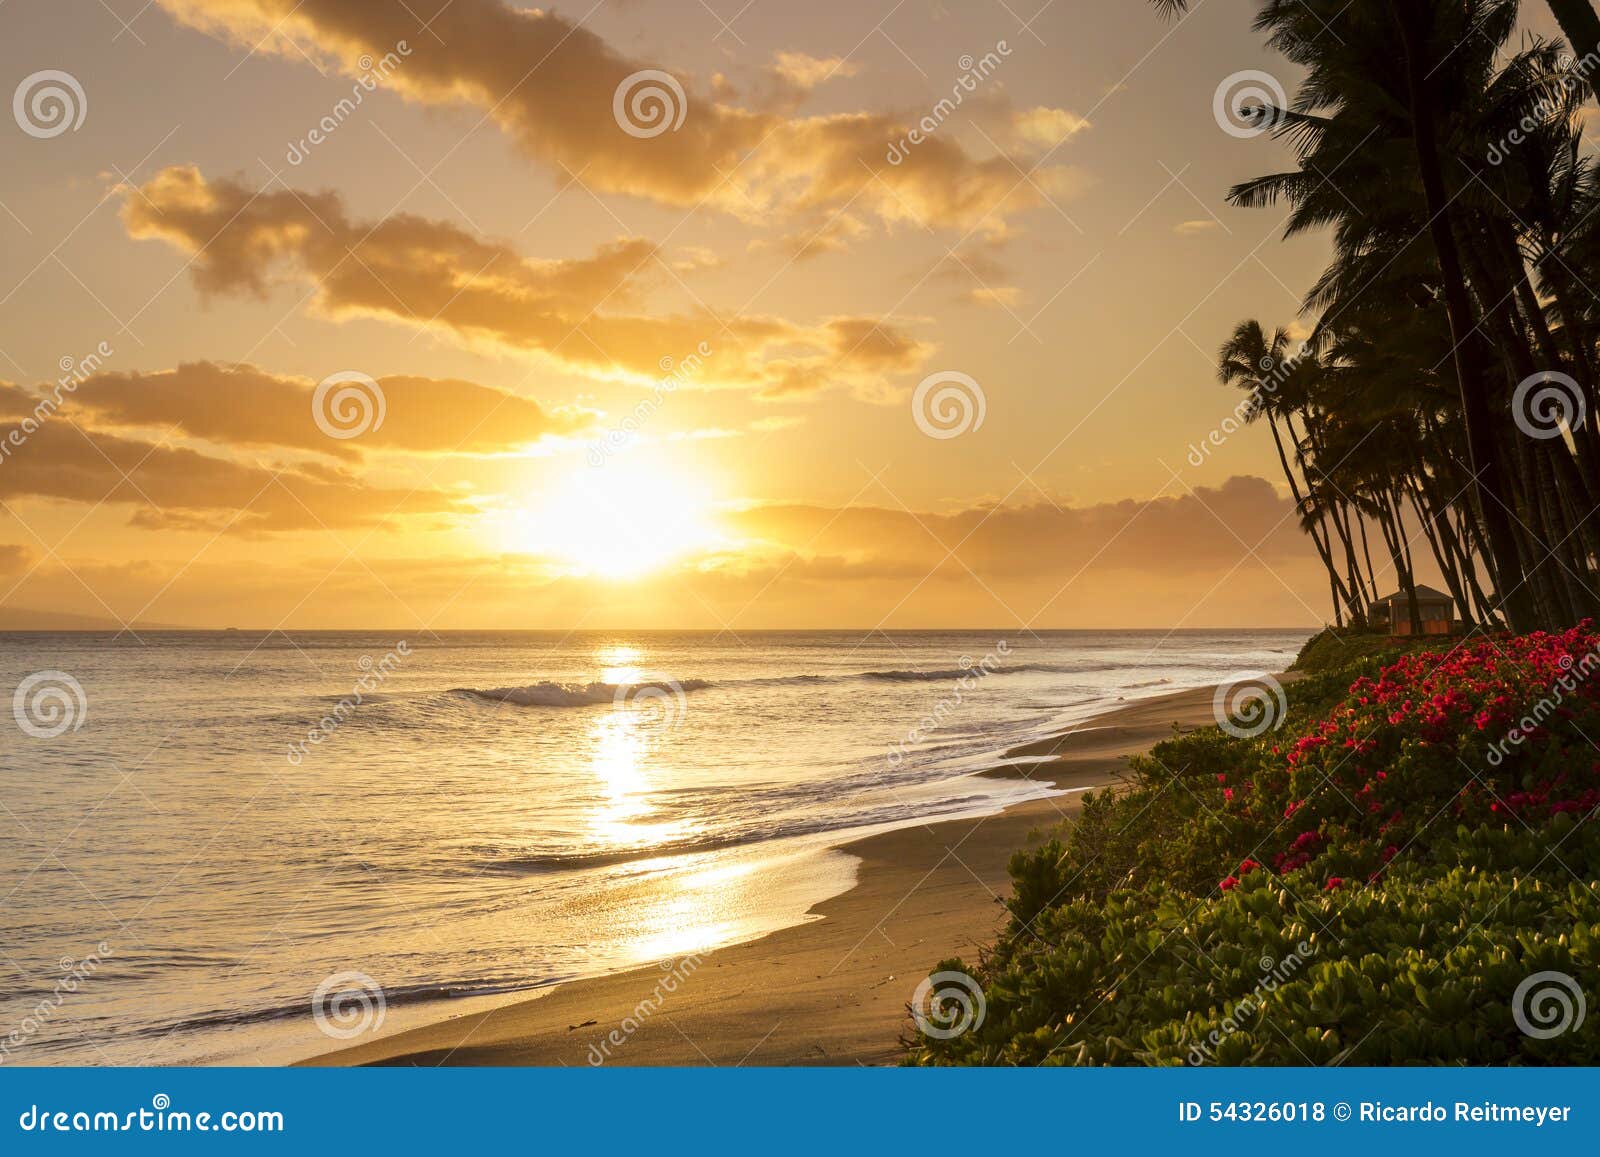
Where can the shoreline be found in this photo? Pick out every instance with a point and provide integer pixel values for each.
(833, 989)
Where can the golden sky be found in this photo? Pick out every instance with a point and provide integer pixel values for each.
(449, 313)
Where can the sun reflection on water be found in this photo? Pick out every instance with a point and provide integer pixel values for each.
(690, 902)
(619, 663)
(696, 909)
(621, 744)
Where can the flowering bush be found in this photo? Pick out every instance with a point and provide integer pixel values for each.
(1424, 821)
(1433, 758)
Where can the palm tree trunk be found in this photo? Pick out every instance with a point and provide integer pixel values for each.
(1366, 551)
(1581, 28)
(1317, 534)
(1434, 528)
(1487, 485)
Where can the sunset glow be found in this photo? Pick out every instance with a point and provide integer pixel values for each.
(814, 349)
(615, 522)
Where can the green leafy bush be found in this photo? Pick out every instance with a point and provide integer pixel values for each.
(1423, 970)
(1334, 649)
(1417, 838)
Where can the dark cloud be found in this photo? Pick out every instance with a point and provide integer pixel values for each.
(246, 406)
(174, 487)
(1183, 533)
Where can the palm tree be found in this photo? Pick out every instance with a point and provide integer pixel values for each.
(1432, 247)
(1426, 47)
(1579, 25)
(1577, 18)
(1274, 376)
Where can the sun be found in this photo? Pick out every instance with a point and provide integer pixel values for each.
(617, 520)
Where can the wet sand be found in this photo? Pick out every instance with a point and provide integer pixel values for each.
(833, 991)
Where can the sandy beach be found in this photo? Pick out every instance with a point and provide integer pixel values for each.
(834, 990)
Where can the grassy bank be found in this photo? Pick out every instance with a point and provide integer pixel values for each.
(1399, 871)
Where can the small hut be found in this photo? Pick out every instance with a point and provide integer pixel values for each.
(1435, 607)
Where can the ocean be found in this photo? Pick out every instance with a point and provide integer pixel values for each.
(210, 836)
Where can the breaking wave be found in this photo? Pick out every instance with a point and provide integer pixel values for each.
(557, 694)
(576, 694)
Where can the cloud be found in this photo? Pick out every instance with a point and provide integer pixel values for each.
(407, 266)
(864, 349)
(694, 258)
(174, 487)
(1152, 562)
(975, 262)
(14, 559)
(984, 278)
(774, 424)
(834, 235)
(246, 406)
(580, 312)
(1181, 534)
(996, 295)
(1045, 126)
(549, 84)
(807, 72)
(1189, 228)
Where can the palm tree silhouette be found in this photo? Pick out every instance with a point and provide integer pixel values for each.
(1577, 18)
(1457, 164)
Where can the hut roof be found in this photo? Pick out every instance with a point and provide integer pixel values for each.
(1425, 594)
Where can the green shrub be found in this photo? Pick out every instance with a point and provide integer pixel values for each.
(1334, 649)
(1428, 863)
(1421, 971)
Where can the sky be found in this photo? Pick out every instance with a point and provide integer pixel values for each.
(635, 313)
